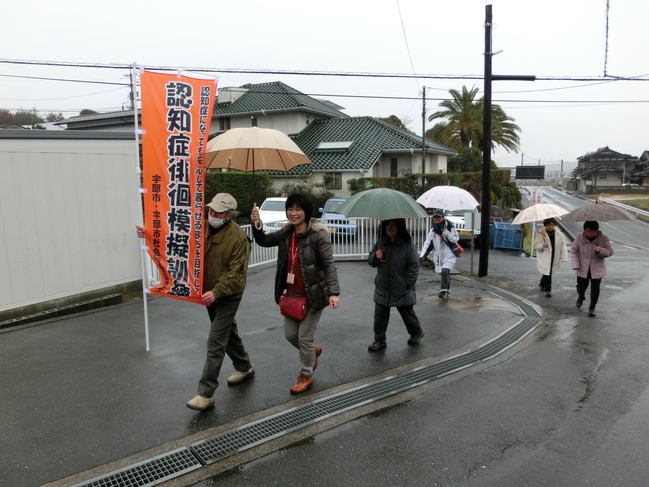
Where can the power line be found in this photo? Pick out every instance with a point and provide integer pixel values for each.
(63, 79)
(310, 73)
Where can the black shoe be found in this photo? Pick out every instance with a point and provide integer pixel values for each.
(443, 294)
(548, 294)
(579, 302)
(414, 339)
(376, 346)
(591, 312)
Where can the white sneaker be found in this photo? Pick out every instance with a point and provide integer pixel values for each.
(241, 376)
(200, 403)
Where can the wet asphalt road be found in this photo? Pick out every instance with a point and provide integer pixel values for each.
(567, 409)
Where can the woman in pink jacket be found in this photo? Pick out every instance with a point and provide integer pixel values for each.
(589, 250)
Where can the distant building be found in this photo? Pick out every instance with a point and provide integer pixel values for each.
(603, 170)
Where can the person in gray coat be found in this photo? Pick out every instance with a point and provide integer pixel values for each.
(397, 269)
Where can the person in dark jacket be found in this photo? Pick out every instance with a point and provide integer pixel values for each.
(305, 268)
(397, 269)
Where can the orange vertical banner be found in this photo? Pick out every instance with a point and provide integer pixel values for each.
(176, 116)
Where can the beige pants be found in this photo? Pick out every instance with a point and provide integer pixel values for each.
(301, 334)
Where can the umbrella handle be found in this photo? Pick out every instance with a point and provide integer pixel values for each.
(257, 223)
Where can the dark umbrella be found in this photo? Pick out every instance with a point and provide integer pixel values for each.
(599, 213)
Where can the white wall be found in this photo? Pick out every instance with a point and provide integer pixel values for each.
(67, 210)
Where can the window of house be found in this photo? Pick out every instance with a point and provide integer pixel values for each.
(394, 167)
(224, 124)
(336, 181)
(603, 176)
(253, 121)
(307, 120)
(337, 146)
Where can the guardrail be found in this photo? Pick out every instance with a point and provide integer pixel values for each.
(624, 207)
(344, 247)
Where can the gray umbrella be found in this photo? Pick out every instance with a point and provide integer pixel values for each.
(598, 212)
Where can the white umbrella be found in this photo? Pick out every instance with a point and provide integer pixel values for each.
(539, 212)
(448, 198)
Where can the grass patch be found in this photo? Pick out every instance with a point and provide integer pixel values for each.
(642, 204)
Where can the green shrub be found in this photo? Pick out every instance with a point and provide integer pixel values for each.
(247, 188)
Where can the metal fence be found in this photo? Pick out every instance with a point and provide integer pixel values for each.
(344, 247)
(633, 209)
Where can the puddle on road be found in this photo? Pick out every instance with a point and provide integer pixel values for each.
(472, 304)
(564, 327)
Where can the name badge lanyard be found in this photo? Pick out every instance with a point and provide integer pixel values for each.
(293, 250)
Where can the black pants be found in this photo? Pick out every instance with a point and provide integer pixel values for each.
(582, 286)
(546, 283)
(382, 318)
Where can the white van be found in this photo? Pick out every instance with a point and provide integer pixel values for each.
(272, 213)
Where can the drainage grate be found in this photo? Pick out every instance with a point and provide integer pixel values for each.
(211, 450)
(230, 442)
(150, 472)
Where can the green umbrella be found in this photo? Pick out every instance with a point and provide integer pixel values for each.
(381, 204)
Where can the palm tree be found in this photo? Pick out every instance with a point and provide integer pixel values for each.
(462, 126)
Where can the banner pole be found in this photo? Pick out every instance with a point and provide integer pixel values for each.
(143, 255)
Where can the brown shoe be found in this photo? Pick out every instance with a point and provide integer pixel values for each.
(303, 383)
(376, 346)
(415, 339)
(318, 351)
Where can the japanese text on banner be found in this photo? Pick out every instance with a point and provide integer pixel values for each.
(176, 116)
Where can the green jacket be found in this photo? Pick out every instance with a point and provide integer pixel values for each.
(227, 254)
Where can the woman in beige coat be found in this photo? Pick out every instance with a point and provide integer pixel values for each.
(551, 250)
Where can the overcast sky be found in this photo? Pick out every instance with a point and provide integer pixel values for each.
(553, 38)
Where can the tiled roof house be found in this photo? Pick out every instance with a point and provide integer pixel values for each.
(603, 168)
(342, 146)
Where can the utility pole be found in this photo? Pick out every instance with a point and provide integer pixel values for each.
(423, 141)
(486, 144)
(486, 150)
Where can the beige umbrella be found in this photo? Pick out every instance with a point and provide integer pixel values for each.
(254, 149)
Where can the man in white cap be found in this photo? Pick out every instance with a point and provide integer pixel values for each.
(442, 237)
(227, 252)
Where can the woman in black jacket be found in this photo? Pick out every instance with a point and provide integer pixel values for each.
(397, 268)
(305, 268)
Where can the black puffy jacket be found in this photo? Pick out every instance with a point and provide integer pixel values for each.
(315, 257)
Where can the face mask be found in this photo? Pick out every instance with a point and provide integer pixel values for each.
(215, 222)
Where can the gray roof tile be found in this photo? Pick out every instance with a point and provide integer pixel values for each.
(274, 96)
(370, 137)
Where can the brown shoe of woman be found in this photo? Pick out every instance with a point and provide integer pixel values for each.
(318, 351)
(303, 383)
